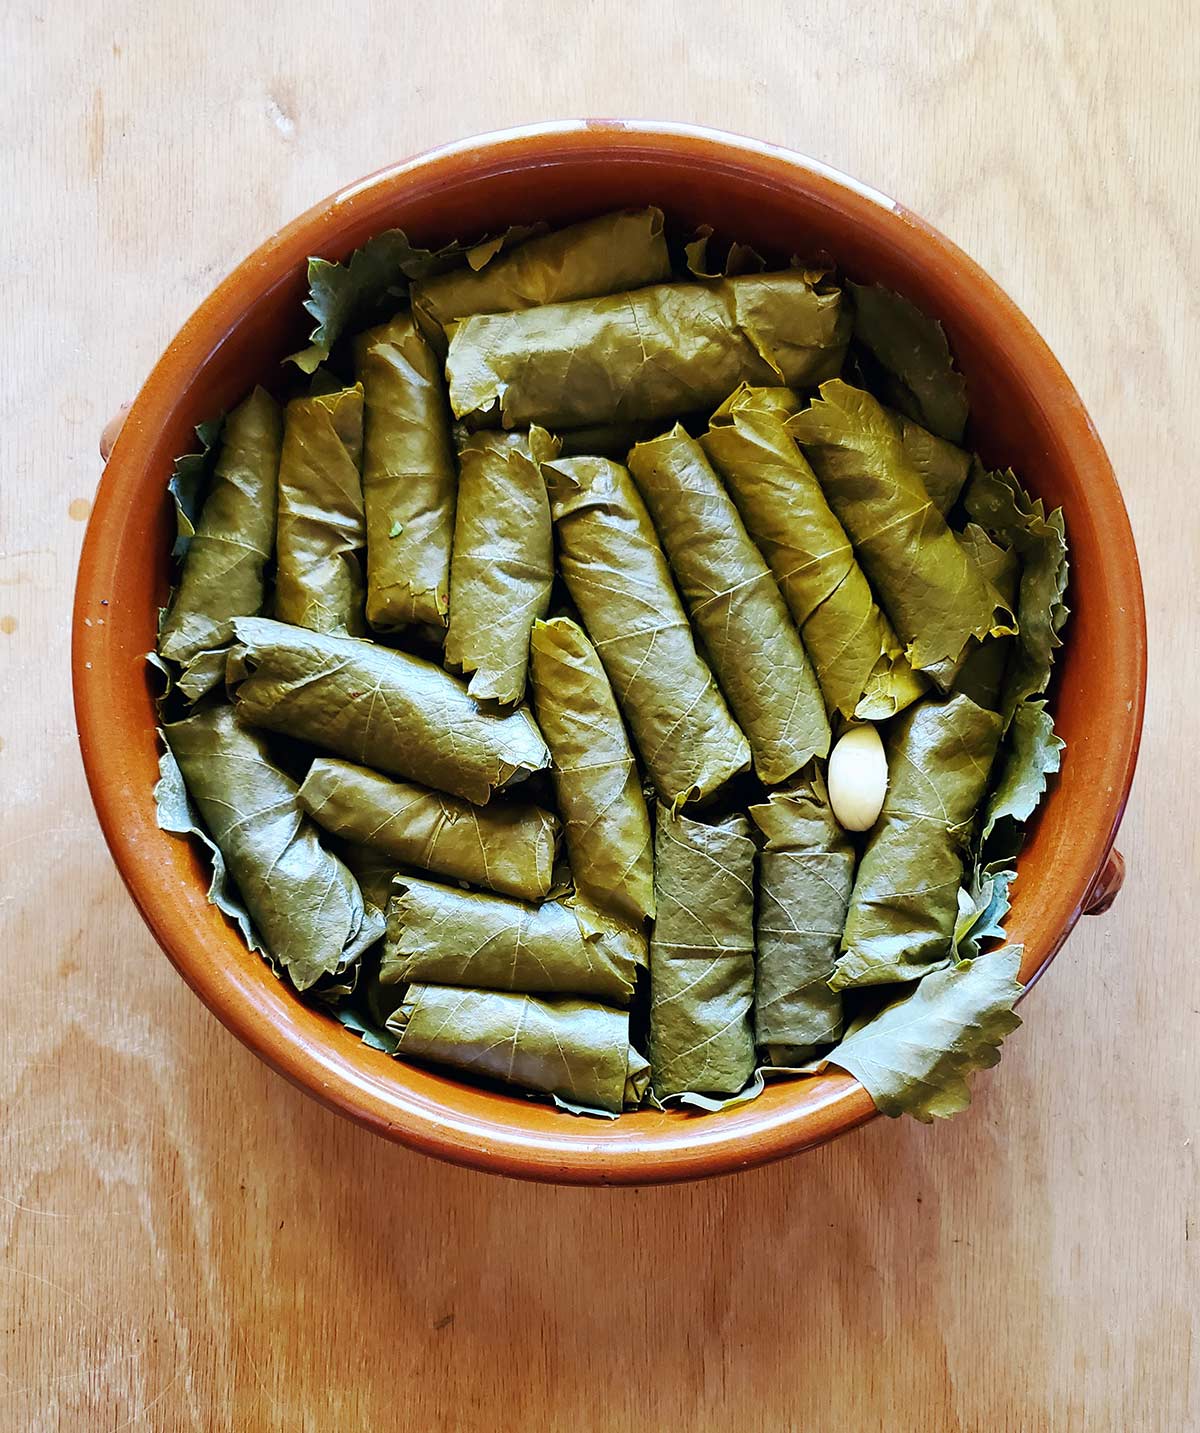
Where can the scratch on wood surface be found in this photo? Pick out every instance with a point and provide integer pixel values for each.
(257, 1372)
(49, 831)
(26, 552)
(154, 1402)
(280, 118)
(29, 1209)
(55, 1380)
(50, 1284)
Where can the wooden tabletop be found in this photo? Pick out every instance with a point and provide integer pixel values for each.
(187, 1242)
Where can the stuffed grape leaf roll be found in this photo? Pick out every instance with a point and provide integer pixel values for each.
(929, 585)
(321, 528)
(605, 822)
(574, 1050)
(618, 578)
(944, 467)
(805, 874)
(305, 906)
(702, 957)
(408, 479)
(606, 255)
(745, 627)
(900, 922)
(446, 936)
(503, 846)
(223, 567)
(654, 353)
(858, 658)
(380, 708)
(503, 562)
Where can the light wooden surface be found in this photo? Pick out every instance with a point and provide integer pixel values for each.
(185, 1241)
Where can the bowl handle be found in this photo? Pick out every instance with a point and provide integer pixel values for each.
(1108, 883)
(111, 429)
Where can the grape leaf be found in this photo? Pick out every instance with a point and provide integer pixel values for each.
(188, 481)
(376, 277)
(913, 350)
(998, 502)
(176, 814)
(380, 708)
(917, 1054)
(1032, 752)
(367, 1031)
(981, 911)
(702, 957)
(446, 936)
(574, 1049)
(925, 581)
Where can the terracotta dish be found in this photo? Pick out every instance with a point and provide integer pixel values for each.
(1026, 413)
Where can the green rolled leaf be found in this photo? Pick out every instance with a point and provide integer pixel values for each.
(607, 255)
(702, 957)
(917, 1055)
(371, 1002)
(175, 813)
(981, 675)
(508, 848)
(935, 596)
(408, 478)
(575, 1050)
(654, 353)
(999, 503)
(233, 539)
(321, 527)
(379, 708)
(374, 280)
(618, 578)
(441, 935)
(503, 560)
(912, 349)
(749, 638)
(858, 658)
(305, 905)
(904, 904)
(944, 466)
(605, 821)
(805, 874)
(189, 481)
(1031, 751)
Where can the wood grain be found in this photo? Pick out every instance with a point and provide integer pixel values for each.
(185, 1241)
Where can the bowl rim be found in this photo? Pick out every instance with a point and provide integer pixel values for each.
(698, 1149)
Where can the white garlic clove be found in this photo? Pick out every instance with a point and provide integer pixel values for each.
(858, 778)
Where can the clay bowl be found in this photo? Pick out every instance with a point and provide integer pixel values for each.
(1026, 413)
